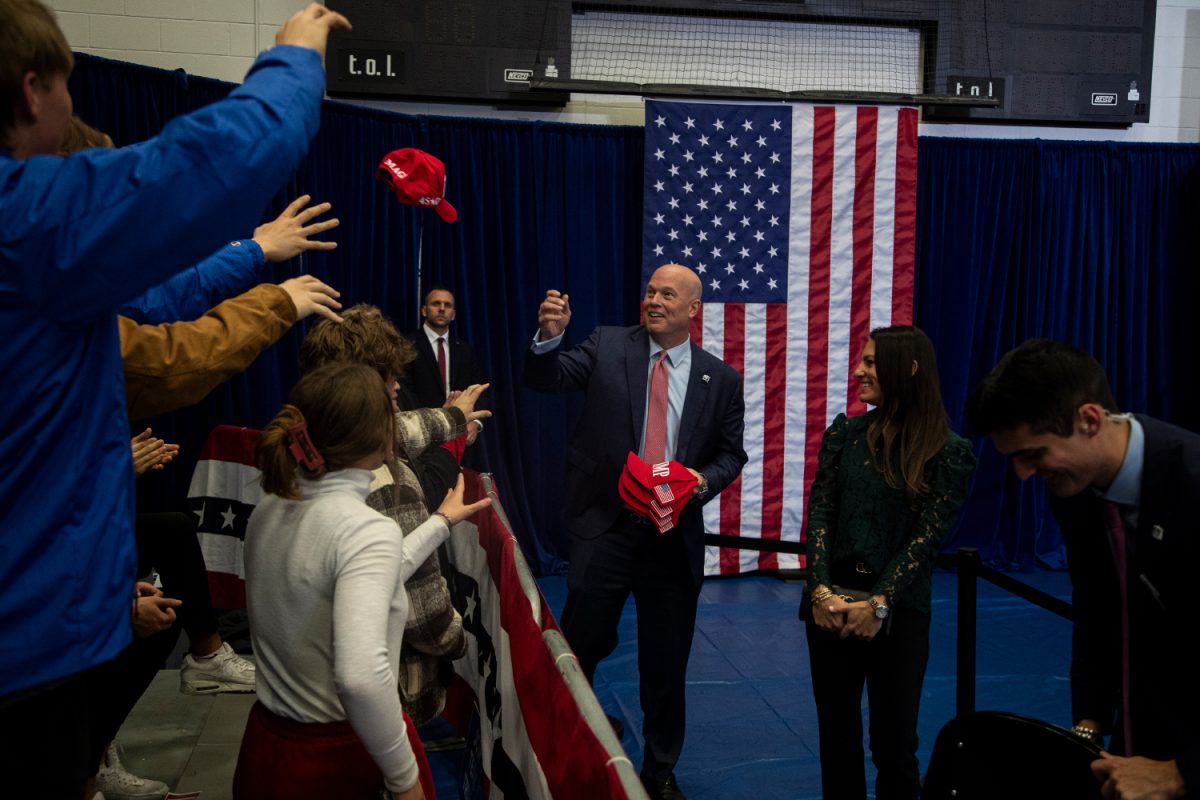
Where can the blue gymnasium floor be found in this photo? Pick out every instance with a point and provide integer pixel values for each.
(751, 732)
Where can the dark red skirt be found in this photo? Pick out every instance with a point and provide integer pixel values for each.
(282, 758)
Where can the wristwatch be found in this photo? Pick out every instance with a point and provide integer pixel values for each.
(881, 609)
(701, 489)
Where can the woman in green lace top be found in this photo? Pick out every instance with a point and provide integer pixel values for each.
(888, 487)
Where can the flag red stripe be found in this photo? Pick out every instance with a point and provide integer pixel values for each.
(820, 240)
(230, 443)
(774, 409)
(863, 247)
(904, 259)
(734, 354)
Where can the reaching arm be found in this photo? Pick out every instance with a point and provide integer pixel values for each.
(234, 268)
(82, 234)
(175, 365)
(558, 371)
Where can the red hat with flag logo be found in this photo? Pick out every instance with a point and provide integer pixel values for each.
(657, 491)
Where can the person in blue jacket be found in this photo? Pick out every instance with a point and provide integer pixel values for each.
(78, 237)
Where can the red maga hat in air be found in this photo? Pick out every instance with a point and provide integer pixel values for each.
(417, 179)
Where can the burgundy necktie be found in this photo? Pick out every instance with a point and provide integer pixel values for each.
(442, 367)
(1116, 537)
(655, 449)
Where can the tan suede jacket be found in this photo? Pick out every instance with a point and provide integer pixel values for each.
(177, 364)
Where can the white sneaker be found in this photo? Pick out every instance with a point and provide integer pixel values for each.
(114, 782)
(225, 671)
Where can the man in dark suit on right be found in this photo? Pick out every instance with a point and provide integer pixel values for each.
(1124, 491)
(651, 391)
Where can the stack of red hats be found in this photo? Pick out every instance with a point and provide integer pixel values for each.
(657, 491)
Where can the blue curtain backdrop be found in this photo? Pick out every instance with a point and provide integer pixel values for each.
(540, 206)
(1096, 244)
(1093, 243)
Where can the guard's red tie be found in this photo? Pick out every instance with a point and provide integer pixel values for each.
(1116, 537)
(442, 367)
(655, 449)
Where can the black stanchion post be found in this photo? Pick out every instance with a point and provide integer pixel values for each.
(968, 582)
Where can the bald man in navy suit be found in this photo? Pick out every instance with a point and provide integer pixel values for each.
(614, 551)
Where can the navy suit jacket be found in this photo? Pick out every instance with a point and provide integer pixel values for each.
(423, 377)
(1165, 692)
(611, 368)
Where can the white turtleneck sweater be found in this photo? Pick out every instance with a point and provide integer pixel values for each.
(325, 593)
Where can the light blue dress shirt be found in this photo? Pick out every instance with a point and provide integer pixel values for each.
(1126, 488)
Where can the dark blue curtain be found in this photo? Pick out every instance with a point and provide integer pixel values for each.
(540, 206)
(1092, 243)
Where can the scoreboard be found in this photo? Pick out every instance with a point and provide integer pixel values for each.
(474, 50)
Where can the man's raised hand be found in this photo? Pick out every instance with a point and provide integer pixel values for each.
(554, 315)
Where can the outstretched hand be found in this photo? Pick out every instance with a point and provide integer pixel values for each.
(310, 28)
(453, 506)
(287, 236)
(554, 315)
(466, 400)
(310, 296)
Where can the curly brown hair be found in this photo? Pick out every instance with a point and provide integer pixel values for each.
(365, 336)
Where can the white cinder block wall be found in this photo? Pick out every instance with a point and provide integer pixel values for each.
(219, 39)
(214, 38)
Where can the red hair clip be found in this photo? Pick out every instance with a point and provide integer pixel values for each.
(302, 448)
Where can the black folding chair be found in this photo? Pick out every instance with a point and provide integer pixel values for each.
(995, 754)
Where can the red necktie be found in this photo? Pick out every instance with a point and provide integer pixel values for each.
(442, 367)
(654, 450)
(1116, 537)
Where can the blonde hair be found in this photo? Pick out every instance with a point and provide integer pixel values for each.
(81, 136)
(348, 415)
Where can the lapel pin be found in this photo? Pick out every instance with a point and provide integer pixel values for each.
(1156, 533)
(705, 378)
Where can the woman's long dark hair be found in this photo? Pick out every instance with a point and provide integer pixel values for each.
(911, 426)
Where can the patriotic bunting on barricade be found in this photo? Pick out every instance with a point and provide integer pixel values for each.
(223, 492)
(801, 220)
(535, 740)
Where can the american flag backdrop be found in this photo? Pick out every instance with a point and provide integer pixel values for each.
(801, 221)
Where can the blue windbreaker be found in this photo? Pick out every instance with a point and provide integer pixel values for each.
(78, 237)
